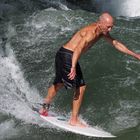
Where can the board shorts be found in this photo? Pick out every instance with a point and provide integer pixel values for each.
(63, 63)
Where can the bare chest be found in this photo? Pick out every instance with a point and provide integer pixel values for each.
(91, 41)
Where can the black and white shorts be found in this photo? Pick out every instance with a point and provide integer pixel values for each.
(63, 63)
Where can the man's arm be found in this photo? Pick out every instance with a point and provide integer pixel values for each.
(78, 51)
(121, 47)
(76, 55)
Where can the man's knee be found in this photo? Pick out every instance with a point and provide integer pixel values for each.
(58, 86)
(79, 91)
(55, 87)
(83, 87)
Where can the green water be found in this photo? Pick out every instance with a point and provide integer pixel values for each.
(112, 97)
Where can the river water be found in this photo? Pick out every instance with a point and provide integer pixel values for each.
(28, 43)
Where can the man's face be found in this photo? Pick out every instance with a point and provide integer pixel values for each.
(107, 28)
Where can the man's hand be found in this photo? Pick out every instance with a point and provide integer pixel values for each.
(72, 73)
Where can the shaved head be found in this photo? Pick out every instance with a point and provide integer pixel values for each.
(106, 18)
(105, 22)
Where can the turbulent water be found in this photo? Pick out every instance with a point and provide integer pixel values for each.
(28, 43)
(130, 8)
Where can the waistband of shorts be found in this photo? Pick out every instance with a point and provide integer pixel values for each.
(62, 49)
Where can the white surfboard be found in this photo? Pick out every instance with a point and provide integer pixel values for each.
(62, 123)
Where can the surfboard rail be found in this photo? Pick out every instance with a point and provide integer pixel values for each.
(62, 123)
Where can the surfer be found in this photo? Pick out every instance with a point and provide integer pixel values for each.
(68, 71)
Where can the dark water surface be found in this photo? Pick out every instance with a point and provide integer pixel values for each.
(28, 43)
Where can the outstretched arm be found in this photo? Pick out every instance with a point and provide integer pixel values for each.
(121, 47)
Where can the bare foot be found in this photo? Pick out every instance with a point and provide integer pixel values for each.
(77, 123)
(43, 112)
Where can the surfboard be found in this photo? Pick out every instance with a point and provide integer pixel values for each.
(62, 123)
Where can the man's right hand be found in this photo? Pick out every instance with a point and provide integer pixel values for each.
(72, 73)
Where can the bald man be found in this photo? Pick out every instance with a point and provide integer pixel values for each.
(68, 71)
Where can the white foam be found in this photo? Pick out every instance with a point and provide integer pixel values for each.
(8, 130)
(129, 8)
(16, 93)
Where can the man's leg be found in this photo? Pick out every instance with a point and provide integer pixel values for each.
(52, 92)
(77, 100)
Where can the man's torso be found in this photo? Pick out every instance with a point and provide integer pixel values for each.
(90, 33)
